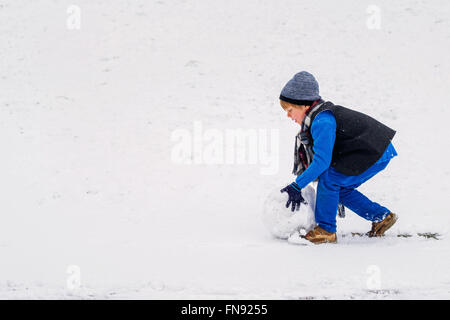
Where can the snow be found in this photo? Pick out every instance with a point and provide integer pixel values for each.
(89, 177)
(282, 222)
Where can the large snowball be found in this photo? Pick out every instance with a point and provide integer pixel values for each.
(281, 221)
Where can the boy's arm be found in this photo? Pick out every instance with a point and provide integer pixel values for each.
(323, 131)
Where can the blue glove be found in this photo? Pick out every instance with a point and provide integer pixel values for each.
(295, 196)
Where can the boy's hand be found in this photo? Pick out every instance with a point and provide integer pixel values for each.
(295, 196)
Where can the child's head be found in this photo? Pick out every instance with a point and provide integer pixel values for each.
(298, 95)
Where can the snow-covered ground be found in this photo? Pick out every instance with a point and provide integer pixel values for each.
(92, 188)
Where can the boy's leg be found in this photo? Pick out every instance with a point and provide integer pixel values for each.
(359, 203)
(362, 206)
(335, 187)
(327, 200)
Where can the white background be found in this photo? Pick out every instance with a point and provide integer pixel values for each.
(86, 119)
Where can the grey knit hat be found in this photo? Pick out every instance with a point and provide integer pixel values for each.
(302, 87)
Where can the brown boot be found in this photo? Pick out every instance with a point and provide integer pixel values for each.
(319, 235)
(379, 228)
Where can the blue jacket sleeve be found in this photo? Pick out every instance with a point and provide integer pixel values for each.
(323, 131)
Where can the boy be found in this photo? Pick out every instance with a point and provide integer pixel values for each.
(342, 148)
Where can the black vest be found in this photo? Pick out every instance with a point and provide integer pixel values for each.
(360, 139)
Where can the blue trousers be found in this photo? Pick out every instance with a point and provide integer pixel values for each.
(335, 187)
